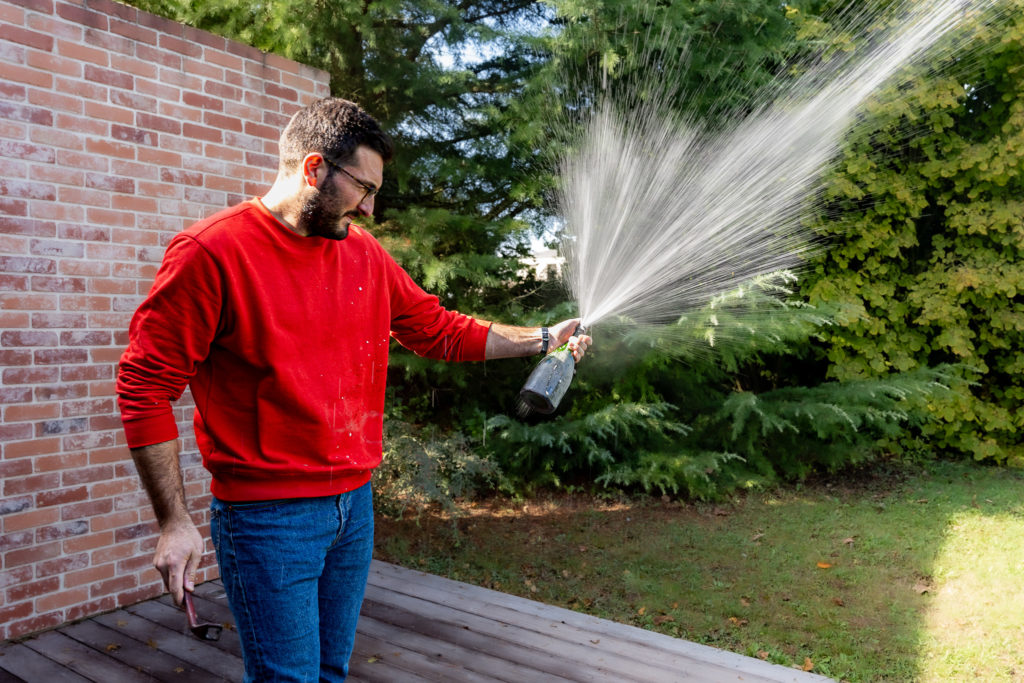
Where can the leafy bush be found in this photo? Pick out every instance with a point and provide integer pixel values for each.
(713, 403)
(422, 468)
(926, 262)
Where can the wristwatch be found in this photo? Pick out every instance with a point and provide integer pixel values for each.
(544, 339)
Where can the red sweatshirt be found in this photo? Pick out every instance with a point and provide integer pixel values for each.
(284, 342)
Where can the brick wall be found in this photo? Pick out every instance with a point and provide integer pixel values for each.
(117, 129)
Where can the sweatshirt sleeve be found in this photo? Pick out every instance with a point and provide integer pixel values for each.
(422, 325)
(169, 336)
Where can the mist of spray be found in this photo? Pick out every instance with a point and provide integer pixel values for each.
(662, 216)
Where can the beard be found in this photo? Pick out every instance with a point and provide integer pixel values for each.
(320, 216)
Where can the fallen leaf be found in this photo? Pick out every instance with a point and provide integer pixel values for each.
(595, 642)
(824, 565)
(153, 644)
(757, 537)
(848, 541)
(675, 605)
(583, 548)
(640, 612)
(663, 619)
(736, 621)
(374, 659)
(921, 588)
(808, 664)
(113, 647)
(762, 654)
(921, 500)
(179, 669)
(721, 512)
(838, 602)
(745, 601)
(121, 623)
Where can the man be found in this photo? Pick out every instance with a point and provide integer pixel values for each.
(278, 314)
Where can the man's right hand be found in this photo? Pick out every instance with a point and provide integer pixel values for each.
(177, 556)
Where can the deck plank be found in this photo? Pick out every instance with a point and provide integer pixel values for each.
(414, 627)
(25, 664)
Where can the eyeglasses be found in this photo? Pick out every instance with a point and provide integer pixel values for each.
(370, 190)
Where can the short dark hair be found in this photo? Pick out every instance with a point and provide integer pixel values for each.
(333, 127)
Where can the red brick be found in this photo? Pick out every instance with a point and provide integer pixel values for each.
(30, 375)
(24, 264)
(157, 123)
(85, 373)
(133, 135)
(197, 132)
(61, 530)
(82, 16)
(55, 463)
(89, 92)
(92, 268)
(61, 356)
(47, 23)
(28, 338)
(86, 233)
(14, 612)
(22, 449)
(59, 392)
(180, 46)
(15, 432)
(146, 592)
(14, 283)
(115, 585)
(85, 338)
(83, 162)
(91, 575)
(62, 496)
(115, 521)
(92, 439)
(155, 56)
(62, 599)
(60, 138)
(142, 206)
(31, 484)
(12, 577)
(52, 211)
(101, 423)
(76, 302)
(46, 283)
(90, 541)
(116, 45)
(17, 538)
(27, 591)
(133, 31)
(32, 412)
(87, 475)
(58, 320)
(108, 148)
(21, 74)
(15, 395)
(111, 183)
(103, 112)
(17, 34)
(90, 608)
(33, 624)
(29, 190)
(62, 564)
(26, 151)
(36, 553)
(25, 113)
(54, 64)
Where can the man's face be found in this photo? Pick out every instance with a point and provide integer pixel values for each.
(343, 195)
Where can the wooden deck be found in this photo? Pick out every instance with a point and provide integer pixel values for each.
(414, 627)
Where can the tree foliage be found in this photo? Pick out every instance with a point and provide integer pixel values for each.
(925, 262)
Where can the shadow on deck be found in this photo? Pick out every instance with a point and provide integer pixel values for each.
(413, 627)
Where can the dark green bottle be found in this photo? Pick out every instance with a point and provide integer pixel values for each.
(549, 381)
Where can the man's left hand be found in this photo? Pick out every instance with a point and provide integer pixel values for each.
(565, 332)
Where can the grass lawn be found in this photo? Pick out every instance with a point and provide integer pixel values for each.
(894, 576)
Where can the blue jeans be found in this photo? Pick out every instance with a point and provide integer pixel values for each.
(295, 571)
